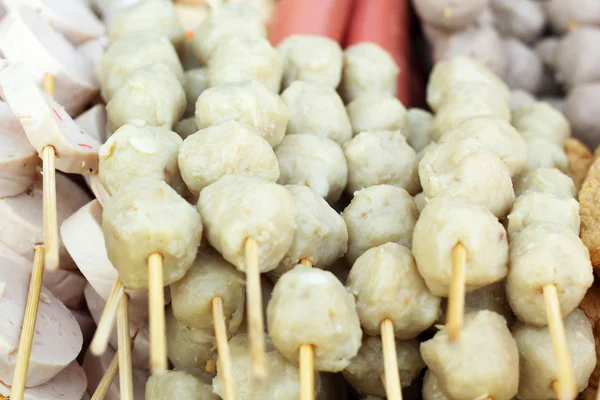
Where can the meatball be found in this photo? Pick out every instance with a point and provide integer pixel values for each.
(377, 215)
(420, 201)
(185, 127)
(321, 234)
(237, 207)
(151, 94)
(195, 82)
(376, 111)
(542, 153)
(139, 151)
(519, 97)
(316, 110)
(538, 365)
(395, 162)
(245, 58)
(418, 128)
(227, 148)
(525, 68)
(209, 276)
(180, 385)
(366, 369)
(368, 68)
(463, 368)
(187, 347)
(449, 14)
(147, 216)
(523, 19)
(313, 161)
(447, 221)
(580, 44)
(533, 208)
(431, 390)
(468, 170)
(544, 180)
(311, 306)
(384, 277)
(311, 58)
(541, 120)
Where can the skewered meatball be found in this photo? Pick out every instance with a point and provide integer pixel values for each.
(313, 161)
(418, 128)
(532, 208)
(316, 110)
(376, 111)
(245, 58)
(543, 121)
(147, 216)
(195, 82)
(420, 201)
(463, 368)
(368, 69)
(544, 254)
(395, 164)
(431, 389)
(448, 170)
(377, 215)
(310, 306)
(180, 385)
(384, 277)
(311, 58)
(542, 153)
(230, 147)
(250, 102)
(538, 366)
(237, 207)
(447, 221)
(544, 180)
(187, 347)
(366, 369)
(321, 234)
(135, 151)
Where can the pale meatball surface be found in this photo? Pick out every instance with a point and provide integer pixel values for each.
(312, 306)
(147, 216)
(377, 215)
(185, 127)
(463, 368)
(431, 390)
(195, 82)
(450, 14)
(542, 153)
(545, 254)
(447, 221)
(468, 170)
(316, 110)
(538, 365)
(237, 207)
(187, 347)
(541, 120)
(366, 369)
(244, 58)
(533, 208)
(544, 180)
(313, 161)
(250, 102)
(376, 111)
(381, 157)
(151, 94)
(210, 276)
(228, 148)
(368, 68)
(384, 277)
(311, 58)
(139, 151)
(321, 234)
(420, 201)
(180, 385)
(418, 128)
(497, 135)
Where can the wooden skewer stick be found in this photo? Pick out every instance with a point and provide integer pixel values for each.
(107, 319)
(107, 379)
(223, 349)
(124, 350)
(456, 298)
(565, 388)
(390, 361)
(307, 362)
(256, 325)
(156, 309)
(17, 391)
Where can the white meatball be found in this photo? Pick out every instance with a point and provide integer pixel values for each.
(228, 148)
(313, 161)
(243, 58)
(311, 58)
(136, 151)
(381, 157)
(468, 170)
(192, 385)
(237, 207)
(418, 128)
(384, 277)
(543, 254)
(151, 94)
(519, 97)
(544, 180)
(376, 111)
(497, 135)
(195, 82)
(542, 153)
(463, 367)
(377, 215)
(147, 216)
(321, 233)
(368, 68)
(316, 110)
(431, 389)
(420, 201)
(447, 221)
(250, 102)
(533, 208)
(538, 366)
(186, 347)
(310, 306)
(126, 55)
(541, 120)
(185, 127)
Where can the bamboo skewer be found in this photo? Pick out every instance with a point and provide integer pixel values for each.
(256, 326)
(156, 309)
(307, 362)
(124, 350)
(107, 319)
(107, 379)
(393, 387)
(456, 298)
(223, 349)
